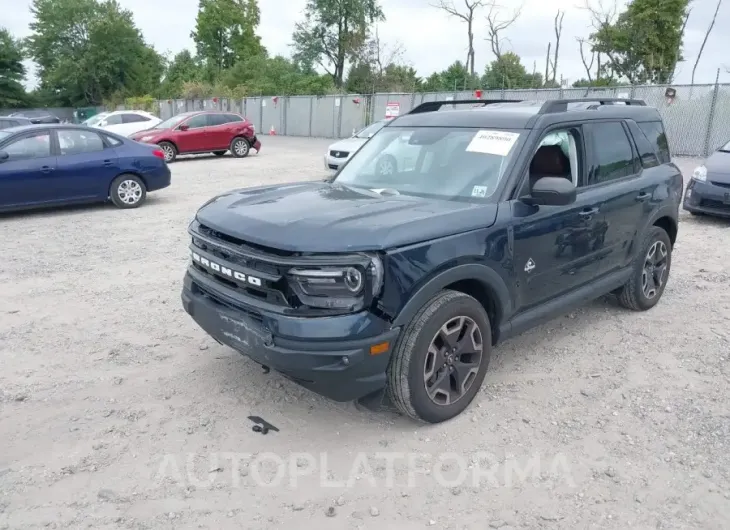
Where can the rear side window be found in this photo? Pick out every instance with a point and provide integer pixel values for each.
(76, 142)
(112, 141)
(218, 119)
(647, 153)
(133, 118)
(613, 157)
(114, 119)
(654, 131)
(232, 118)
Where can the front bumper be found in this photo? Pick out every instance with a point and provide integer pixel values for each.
(706, 197)
(332, 163)
(255, 143)
(338, 368)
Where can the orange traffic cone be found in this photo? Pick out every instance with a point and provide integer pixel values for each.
(272, 131)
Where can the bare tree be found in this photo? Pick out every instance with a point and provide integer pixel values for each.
(547, 63)
(679, 46)
(496, 25)
(588, 65)
(558, 31)
(467, 16)
(704, 41)
(603, 16)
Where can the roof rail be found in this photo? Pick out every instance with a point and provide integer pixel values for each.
(433, 106)
(561, 105)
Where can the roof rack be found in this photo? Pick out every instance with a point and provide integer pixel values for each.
(561, 105)
(433, 106)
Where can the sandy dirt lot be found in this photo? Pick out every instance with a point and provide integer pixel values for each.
(116, 411)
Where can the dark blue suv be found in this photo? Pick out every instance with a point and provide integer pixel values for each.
(449, 231)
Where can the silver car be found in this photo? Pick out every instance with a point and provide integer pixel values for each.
(338, 153)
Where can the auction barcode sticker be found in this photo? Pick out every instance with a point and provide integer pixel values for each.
(493, 142)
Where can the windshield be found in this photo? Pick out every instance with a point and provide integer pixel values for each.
(436, 162)
(169, 123)
(95, 119)
(370, 130)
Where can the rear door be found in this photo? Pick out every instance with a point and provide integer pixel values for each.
(27, 167)
(86, 165)
(615, 178)
(221, 130)
(196, 138)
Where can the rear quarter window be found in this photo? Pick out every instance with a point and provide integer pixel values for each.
(655, 133)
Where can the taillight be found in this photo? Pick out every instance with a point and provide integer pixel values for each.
(159, 154)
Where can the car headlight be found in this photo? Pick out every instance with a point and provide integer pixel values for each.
(339, 286)
(146, 138)
(700, 173)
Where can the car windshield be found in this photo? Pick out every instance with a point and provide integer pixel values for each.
(435, 162)
(370, 130)
(169, 123)
(95, 119)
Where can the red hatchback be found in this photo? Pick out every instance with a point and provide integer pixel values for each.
(202, 132)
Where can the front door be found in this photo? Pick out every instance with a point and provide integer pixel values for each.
(27, 167)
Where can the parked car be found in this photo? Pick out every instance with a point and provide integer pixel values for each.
(339, 152)
(37, 116)
(52, 165)
(394, 287)
(125, 122)
(202, 132)
(6, 122)
(708, 192)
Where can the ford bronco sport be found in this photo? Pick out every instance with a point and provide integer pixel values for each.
(392, 286)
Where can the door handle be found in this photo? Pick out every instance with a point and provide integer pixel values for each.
(108, 163)
(588, 212)
(641, 197)
(46, 169)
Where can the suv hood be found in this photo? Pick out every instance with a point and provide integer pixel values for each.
(324, 217)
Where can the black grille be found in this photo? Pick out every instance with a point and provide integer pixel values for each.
(339, 154)
(715, 205)
(333, 166)
(721, 184)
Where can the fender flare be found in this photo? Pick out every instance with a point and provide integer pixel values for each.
(470, 271)
(665, 211)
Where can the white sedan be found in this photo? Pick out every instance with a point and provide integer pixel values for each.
(124, 122)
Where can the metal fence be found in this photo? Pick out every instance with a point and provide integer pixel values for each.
(697, 119)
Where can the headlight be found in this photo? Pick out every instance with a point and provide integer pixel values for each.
(340, 286)
(700, 173)
(146, 138)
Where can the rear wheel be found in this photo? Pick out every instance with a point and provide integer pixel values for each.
(650, 274)
(440, 361)
(169, 150)
(128, 191)
(219, 153)
(240, 147)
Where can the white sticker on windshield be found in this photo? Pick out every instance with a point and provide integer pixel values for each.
(493, 142)
(479, 191)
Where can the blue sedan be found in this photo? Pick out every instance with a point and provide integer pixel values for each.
(51, 165)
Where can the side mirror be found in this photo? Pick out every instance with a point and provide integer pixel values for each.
(184, 127)
(552, 191)
(4, 156)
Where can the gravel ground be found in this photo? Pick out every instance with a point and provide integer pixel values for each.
(116, 411)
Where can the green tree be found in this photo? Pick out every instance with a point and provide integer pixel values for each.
(508, 72)
(225, 32)
(644, 43)
(12, 72)
(269, 76)
(333, 32)
(89, 51)
(182, 69)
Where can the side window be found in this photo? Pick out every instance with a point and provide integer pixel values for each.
(647, 155)
(232, 117)
(112, 141)
(559, 154)
(114, 119)
(613, 157)
(196, 122)
(654, 131)
(30, 147)
(217, 119)
(5, 123)
(75, 142)
(133, 118)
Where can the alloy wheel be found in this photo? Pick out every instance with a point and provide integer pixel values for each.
(129, 191)
(453, 360)
(655, 269)
(169, 152)
(241, 147)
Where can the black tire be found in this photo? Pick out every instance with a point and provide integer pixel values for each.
(240, 148)
(128, 191)
(406, 372)
(633, 294)
(696, 214)
(169, 150)
(219, 153)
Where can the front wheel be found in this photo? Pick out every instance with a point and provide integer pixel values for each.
(240, 147)
(441, 359)
(650, 274)
(127, 191)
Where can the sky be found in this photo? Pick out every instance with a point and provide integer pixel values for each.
(430, 39)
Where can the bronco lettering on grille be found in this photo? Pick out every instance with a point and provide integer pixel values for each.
(224, 271)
